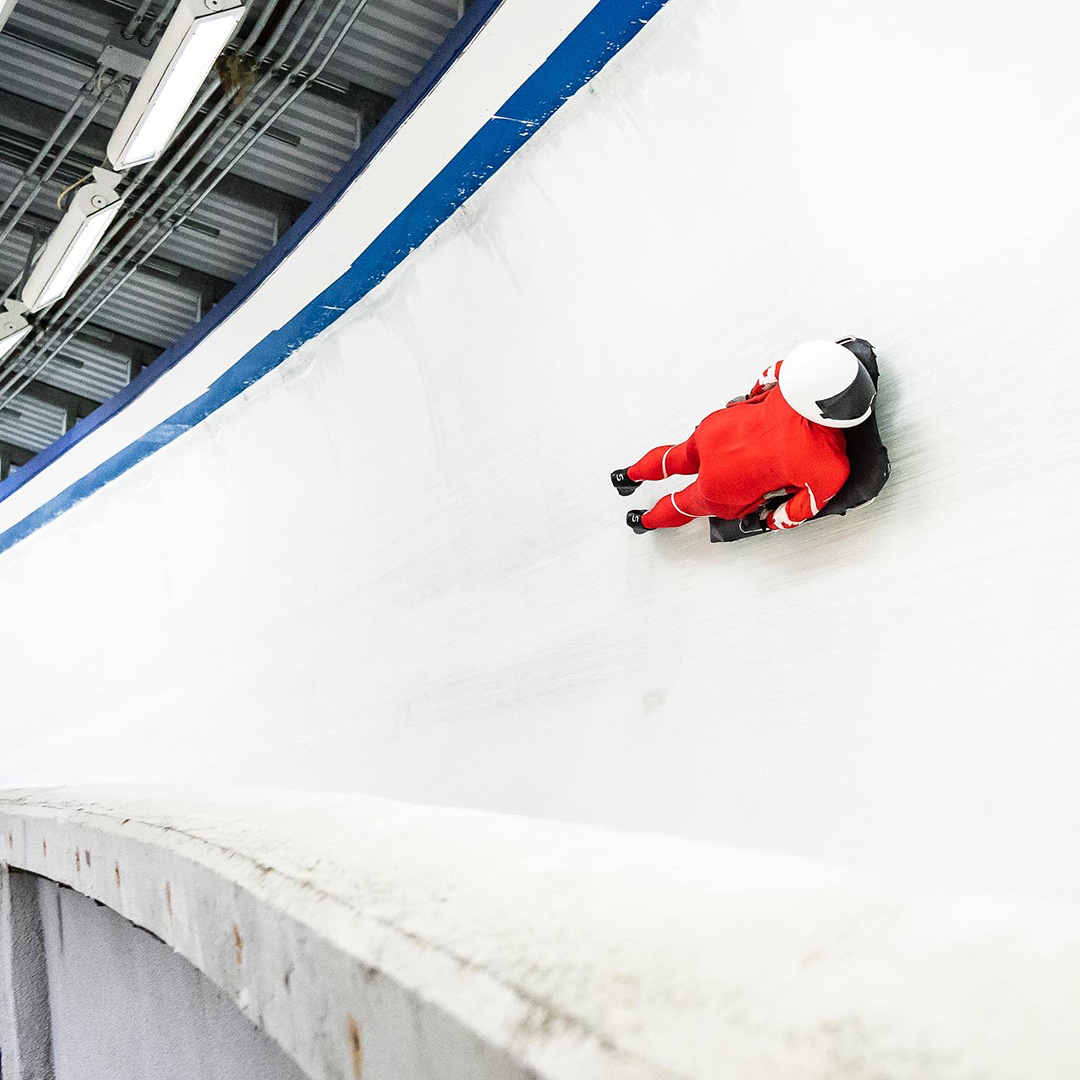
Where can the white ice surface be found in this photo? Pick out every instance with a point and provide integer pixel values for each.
(397, 565)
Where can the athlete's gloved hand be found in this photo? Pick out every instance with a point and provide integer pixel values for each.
(723, 531)
(752, 524)
(736, 401)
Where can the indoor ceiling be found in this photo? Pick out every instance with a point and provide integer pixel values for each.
(84, 351)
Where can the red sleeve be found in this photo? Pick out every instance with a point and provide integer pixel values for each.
(808, 500)
(802, 506)
(767, 379)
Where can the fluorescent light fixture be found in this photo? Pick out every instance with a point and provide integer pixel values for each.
(196, 34)
(73, 241)
(13, 327)
(6, 8)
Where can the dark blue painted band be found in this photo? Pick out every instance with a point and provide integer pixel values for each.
(603, 32)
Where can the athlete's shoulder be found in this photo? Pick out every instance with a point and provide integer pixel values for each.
(832, 466)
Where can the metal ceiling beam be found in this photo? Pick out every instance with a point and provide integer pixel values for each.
(209, 286)
(33, 41)
(11, 454)
(287, 208)
(34, 122)
(140, 352)
(370, 107)
(76, 406)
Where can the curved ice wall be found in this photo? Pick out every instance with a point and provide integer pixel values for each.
(395, 564)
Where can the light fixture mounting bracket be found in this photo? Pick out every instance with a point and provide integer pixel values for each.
(127, 57)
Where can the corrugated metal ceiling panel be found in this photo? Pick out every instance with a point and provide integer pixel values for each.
(44, 205)
(38, 49)
(88, 369)
(76, 29)
(225, 237)
(39, 76)
(391, 42)
(152, 309)
(325, 136)
(13, 255)
(32, 424)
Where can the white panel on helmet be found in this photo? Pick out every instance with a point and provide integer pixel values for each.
(816, 373)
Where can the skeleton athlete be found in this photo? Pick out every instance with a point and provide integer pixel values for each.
(784, 438)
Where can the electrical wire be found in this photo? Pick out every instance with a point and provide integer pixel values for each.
(71, 187)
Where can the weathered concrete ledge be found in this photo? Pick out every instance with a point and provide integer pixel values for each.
(378, 940)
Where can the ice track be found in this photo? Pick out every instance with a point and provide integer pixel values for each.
(432, 597)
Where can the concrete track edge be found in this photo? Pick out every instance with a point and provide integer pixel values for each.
(375, 939)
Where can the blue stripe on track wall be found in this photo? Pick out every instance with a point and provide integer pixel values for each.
(601, 34)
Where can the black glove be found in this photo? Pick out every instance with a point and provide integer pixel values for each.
(752, 524)
(724, 531)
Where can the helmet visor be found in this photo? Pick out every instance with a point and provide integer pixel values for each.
(852, 403)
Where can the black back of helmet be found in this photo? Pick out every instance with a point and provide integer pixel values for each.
(866, 453)
(852, 402)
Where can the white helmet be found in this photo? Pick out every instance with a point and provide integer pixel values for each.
(827, 384)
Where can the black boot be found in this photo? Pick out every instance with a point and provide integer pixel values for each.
(633, 519)
(623, 484)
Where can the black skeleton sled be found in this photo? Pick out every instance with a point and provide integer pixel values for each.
(869, 467)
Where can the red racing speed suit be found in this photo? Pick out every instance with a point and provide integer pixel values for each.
(745, 453)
